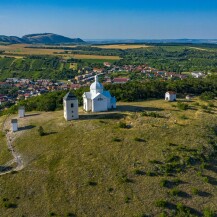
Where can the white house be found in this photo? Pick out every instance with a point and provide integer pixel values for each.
(14, 125)
(98, 100)
(21, 112)
(170, 96)
(70, 104)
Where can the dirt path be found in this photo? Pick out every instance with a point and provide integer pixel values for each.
(17, 159)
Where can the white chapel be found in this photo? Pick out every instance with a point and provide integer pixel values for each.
(98, 99)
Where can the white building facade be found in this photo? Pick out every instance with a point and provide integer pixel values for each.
(170, 96)
(21, 112)
(98, 99)
(14, 125)
(70, 104)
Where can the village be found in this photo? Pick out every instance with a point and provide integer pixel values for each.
(13, 90)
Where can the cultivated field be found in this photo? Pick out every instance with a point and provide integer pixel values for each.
(19, 50)
(123, 46)
(93, 167)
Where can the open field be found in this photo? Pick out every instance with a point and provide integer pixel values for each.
(123, 46)
(92, 167)
(18, 50)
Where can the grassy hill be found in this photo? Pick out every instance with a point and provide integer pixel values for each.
(144, 159)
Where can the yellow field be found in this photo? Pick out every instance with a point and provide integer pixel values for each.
(83, 56)
(123, 46)
(197, 48)
(17, 50)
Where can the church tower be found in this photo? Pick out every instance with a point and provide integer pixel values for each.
(70, 104)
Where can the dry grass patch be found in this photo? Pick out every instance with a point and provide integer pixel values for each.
(123, 46)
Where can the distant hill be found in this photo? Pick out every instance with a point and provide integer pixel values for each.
(44, 38)
(10, 39)
(152, 41)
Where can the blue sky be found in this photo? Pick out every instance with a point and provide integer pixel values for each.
(110, 19)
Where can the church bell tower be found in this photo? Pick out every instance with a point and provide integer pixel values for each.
(70, 104)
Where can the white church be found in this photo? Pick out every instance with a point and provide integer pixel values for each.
(98, 99)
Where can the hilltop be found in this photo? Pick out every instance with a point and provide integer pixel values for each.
(143, 159)
(42, 38)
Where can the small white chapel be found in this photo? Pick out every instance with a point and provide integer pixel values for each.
(98, 99)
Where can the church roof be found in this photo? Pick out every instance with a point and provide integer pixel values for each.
(106, 94)
(69, 96)
(96, 85)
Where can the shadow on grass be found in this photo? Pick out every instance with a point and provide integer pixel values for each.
(204, 194)
(212, 181)
(130, 108)
(26, 128)
(5, 168)
(92, 116)
(30, 115)
(212, 167)
(184, 195)
(193, 211)
(49, 133)
(172, 184)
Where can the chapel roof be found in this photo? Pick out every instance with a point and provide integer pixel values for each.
(69, 96)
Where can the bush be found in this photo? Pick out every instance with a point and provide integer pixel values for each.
(207, 96)
(122, 125)
(91, 183)
(9, 205)
(211, 104)
(205, 179)
(204, 107)
(138, 139)
(174, 192)
(161, 203)
(208, 213)
(139, 172)
(41, 131)
(182, 106)
(183, 117)
(195, 191)
(164, 183)
(116, 139)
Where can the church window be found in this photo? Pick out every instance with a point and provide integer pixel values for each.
(100, 99)
(72, 105)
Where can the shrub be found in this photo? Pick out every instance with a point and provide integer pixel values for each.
(205, 179)
(164, 183)
(195, 191)
(41, 131)
(9, 205)
(210, 104)
(139, 172)
(182, 106)
(116, 139)
(207, 96)
(127, 199)
(183, 117)
(208, 213)
(180, 207)
(91, 183)
(122, 125)
(204, 107)
(161, 203)
(138, 139)
(151, 173)
(70, 214)
(174, 192)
